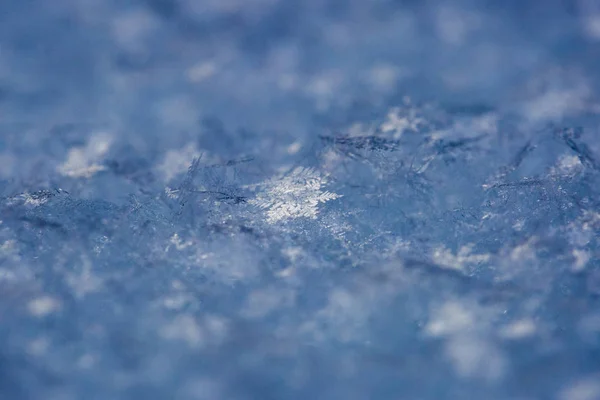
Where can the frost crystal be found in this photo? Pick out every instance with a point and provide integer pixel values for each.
(295, 195)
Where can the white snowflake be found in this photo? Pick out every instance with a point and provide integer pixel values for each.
(463, 258)
(399, 121)
(84, 162)
(294, 195)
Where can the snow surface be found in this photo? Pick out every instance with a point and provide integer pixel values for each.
(292, 199)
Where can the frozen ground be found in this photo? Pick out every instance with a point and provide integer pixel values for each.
(299, 199)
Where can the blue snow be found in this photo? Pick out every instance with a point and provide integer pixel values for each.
(292, 199)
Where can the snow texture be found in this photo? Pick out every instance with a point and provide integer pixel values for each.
(293, 199)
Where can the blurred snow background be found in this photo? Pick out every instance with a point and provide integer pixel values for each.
(281, 199)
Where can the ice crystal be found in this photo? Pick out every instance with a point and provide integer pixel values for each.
(296, 194)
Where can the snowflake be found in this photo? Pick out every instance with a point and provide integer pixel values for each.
(83, 162)
(398, 124)
(295, 195)
(463, 258)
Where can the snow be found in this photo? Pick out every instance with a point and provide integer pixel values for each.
(299, 199)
